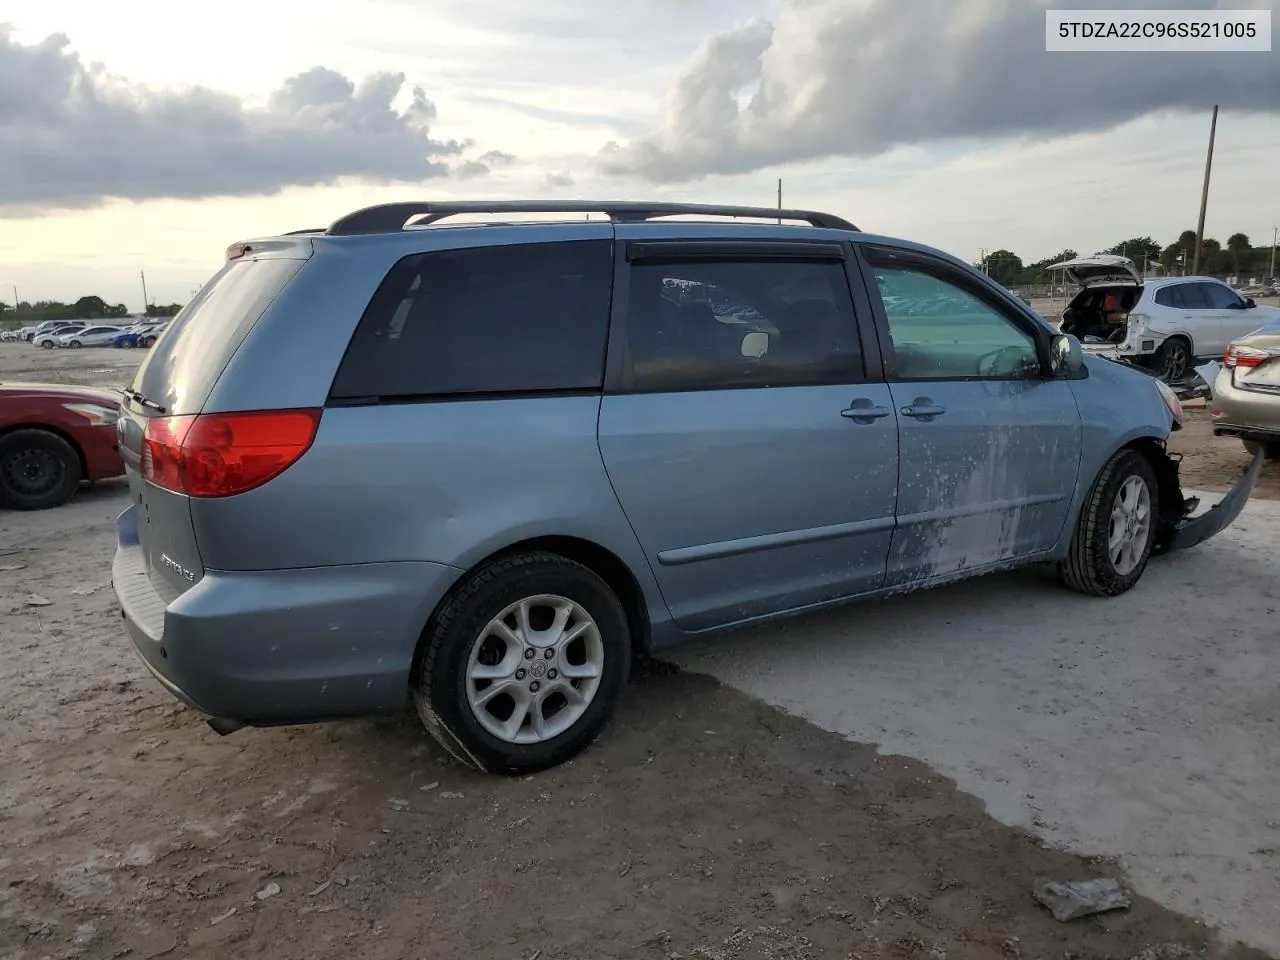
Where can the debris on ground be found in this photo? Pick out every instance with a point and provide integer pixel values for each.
(35, 600)
(222, 916)
(428, 787)
(1071, 900)
(450, 795)
(269, 891)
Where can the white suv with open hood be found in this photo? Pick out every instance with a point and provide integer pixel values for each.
(1166, 324)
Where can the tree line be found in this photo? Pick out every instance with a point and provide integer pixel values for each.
(86, 308)
(1239, 258)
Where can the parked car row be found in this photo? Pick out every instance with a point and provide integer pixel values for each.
(86, 333)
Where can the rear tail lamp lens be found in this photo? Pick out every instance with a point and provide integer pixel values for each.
(223, 454)
(1237, 356)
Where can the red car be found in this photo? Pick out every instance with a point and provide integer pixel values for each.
(52, 437)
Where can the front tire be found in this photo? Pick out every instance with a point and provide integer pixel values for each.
(1116, 530)
(1270, 448)
(522, 666)
(75, 344)
(38, 470)
(47, 344)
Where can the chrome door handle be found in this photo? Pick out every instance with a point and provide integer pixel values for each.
(923, 409)
(863, 410)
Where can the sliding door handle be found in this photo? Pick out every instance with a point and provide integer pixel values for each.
(923, 409)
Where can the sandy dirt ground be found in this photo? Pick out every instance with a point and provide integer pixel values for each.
(704, 823)
(1142, 727)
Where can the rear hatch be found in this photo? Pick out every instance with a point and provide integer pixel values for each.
(173, 383)
(1101, 268)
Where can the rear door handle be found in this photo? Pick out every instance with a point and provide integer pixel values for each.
(923, 409)
(863, 410)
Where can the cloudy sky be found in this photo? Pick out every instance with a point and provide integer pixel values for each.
(148, 135)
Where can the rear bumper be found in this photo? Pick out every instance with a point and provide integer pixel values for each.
(281, 646)
(1248, 414)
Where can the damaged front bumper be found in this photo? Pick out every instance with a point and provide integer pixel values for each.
(1178, 529)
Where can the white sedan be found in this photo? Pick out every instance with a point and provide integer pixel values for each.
(90, 337)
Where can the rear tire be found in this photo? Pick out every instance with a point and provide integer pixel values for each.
(38, 470)
(1270, 448)
(1173, 360)
(1116, 530)
(523, 663)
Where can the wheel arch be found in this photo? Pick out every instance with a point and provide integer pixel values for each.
(598, 559)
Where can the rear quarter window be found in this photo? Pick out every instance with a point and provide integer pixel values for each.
(520, 318)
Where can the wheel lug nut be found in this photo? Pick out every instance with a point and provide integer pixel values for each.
(551, 674)
(535, 687)
(520, 674)
(528, 653)
(548, 653)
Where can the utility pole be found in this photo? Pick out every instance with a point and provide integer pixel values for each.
(1271, 274)
(15, 286)
(1204, 193)
(779, 198)
(145, 301)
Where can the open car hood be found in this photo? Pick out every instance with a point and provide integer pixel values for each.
(1102, 268)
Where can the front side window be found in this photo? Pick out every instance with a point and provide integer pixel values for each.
(705, 324)
(520, 318)
(1220, 297)
(942, 331)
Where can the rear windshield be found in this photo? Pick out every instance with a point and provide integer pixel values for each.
(185, 363)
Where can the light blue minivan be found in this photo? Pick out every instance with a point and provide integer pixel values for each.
(481, 466)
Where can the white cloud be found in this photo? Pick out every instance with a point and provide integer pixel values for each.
(841, 78)
(74, 135)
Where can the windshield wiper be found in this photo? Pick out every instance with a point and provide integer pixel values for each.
(138, 398)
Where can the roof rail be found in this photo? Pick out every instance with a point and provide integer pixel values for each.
(391, 217)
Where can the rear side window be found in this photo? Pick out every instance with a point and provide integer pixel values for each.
(181, 369)
(1170, 297)
(519, 318)
(706, 325)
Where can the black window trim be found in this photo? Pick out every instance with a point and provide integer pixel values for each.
(999, 300)
(617, 377)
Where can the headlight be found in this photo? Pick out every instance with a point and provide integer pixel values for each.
(1171, 401)
(98, 416)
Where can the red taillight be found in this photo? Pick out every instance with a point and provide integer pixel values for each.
(222, 454)
(1237, 356)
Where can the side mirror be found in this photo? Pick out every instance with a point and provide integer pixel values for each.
(1249, 304)
(755, 344)
(1066, 356)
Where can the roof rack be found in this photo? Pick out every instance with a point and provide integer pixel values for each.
(392, 217)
